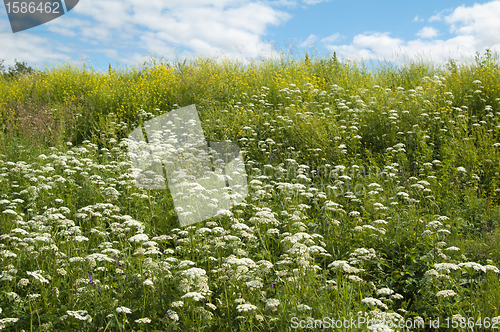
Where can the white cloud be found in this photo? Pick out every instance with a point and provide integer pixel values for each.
(202, 26)
(26, 47)
(473, 30)
(126, 29)
(313, 2)
(286, 3)
(427, 32)
(435, 18)
(481, 21)
(332, 38)
(310, 41)
(369, 45)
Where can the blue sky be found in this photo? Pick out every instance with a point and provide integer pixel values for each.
(99, 32)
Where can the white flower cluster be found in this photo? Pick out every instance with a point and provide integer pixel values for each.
(194, 295)
(374, 302)
(80, 315)
(125, 310)
(38, 276)
(446, 293)
(245, 307)
(385, 291)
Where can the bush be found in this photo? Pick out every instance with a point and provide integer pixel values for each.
(19, 69)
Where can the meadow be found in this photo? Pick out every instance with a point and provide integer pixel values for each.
(374, 196)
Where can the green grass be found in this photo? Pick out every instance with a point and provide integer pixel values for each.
(369, 191)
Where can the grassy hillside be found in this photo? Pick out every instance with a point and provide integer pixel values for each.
(372, 195)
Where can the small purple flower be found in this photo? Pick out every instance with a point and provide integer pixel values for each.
(90, 277)
(272, 285)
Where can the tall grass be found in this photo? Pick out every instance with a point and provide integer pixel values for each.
(373, 193)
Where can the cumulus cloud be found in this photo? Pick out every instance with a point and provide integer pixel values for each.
(27, 47)
(418, 19)
(126, 30)
(30, 48)
(229, 27)
(332, 38)
(427, 32)
(473, 30)
(369, 45)
(435, 18)
(310, 41)
(481, 21)
(200, 25)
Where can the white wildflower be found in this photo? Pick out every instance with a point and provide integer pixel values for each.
(303, 307)
(80, 315)
(254, 284)
(124, 310)
(38, 277)
(472, 265)
(177, 304)
(139, 238)
(446, 293)
(492, 268)
(8, 253)
(172, 315)
(194, 295)
(446, 267)
(193, 273)
(374, 302)
(385, 291)
(355, 278)
(272, 303)
(245, 307)
(80, 238)
(9, 211)
(452, 249)
(22, 282)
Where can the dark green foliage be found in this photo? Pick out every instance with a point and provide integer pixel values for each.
(20, 69)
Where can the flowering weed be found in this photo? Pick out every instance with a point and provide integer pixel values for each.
(370, 195)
